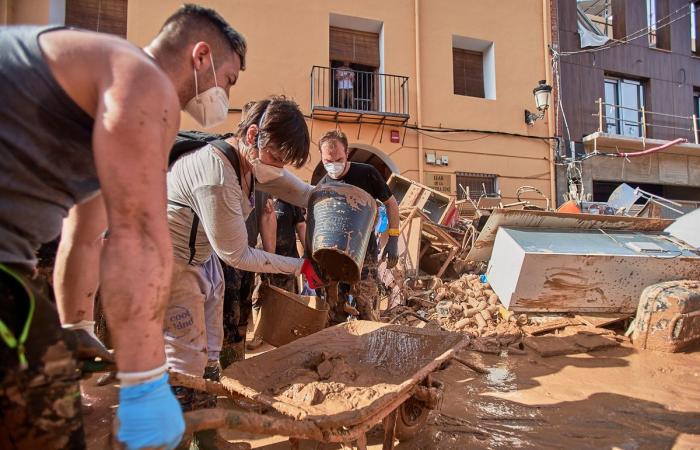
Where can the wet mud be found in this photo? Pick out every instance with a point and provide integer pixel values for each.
(615, 398)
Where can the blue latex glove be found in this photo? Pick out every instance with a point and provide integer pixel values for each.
(149, 416)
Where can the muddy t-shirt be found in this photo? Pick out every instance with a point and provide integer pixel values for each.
(371, 181)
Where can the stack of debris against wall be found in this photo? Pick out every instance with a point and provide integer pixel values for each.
(451, 276)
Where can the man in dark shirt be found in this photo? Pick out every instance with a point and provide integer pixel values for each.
(290, 225)
(334, 156)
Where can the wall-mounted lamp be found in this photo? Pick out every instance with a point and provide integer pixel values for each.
(542, 94)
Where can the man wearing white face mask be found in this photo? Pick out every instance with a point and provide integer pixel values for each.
(334, 156)
(86, 123)
(210, 194)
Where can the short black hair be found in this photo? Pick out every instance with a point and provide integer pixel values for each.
(189, 21)
(283, 125)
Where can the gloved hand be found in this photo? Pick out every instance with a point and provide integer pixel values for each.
(89, 346)
(312, 273)
(149, 416)
(391, 252)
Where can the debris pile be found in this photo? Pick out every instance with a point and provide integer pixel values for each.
(467, 305)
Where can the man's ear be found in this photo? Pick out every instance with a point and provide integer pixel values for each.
(200, 55)
(251, 135)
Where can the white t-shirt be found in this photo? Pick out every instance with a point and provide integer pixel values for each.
(204, 181)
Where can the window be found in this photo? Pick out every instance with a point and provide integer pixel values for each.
(599, 12)
(354, 61)
(694, 26)
(468, 72)
(473, 67)
(106, 16)
(476, 184)
(651, 22)
(696, 107)
(623, 102)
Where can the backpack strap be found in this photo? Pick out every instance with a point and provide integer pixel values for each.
(230, 154)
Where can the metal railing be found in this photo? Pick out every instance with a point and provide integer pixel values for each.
(612, 121)
(355, 90)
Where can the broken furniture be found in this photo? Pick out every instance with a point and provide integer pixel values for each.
(549, 270)
(423, 242)
(439, 207)
(335, 385)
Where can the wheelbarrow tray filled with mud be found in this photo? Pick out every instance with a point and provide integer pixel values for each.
(334, 385)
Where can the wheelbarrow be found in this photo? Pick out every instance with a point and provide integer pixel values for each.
(334, 385)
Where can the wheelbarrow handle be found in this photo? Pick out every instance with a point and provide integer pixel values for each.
(250, 422)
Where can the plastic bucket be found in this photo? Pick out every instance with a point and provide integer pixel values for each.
(285, 317)
(340, 222)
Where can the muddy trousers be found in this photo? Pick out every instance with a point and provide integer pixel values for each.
(194, 318)
(39, 404)
(237, 308)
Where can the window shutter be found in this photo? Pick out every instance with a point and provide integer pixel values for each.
(357, 47)
(106, 16)
(468, 72)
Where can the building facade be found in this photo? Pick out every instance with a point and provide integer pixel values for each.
(639, 90)
(423, 72)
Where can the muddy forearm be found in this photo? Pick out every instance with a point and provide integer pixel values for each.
(136, 272)
(77, 268)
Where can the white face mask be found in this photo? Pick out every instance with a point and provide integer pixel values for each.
(210, 108)
(334, 169)
(264, 173)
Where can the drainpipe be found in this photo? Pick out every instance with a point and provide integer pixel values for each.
(419, 118)
(546, 31)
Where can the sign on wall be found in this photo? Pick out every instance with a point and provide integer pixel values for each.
(441, 182)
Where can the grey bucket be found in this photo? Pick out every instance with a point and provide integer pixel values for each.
(340, 223)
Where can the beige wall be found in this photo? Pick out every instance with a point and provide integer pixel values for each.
(38, 12)
(287, 38)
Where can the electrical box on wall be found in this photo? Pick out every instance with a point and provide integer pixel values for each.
(445, 160)
(430, 158)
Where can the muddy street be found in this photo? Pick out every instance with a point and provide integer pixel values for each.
(615, 398)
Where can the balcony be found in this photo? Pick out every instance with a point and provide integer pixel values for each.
(346, 95)
(623, 129)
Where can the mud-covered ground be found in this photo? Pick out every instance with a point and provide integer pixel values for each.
(616, 398)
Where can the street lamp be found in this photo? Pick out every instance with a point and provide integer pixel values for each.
(542, 95)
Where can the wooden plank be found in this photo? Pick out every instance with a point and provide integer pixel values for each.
(601, 319)
(551, 325)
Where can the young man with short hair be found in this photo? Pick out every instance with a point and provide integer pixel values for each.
(86, 124)
(210, 195)
(334, 156)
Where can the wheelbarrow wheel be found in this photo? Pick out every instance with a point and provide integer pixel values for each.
(410, 418)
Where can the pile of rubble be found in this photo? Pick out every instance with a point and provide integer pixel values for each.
(467, 305)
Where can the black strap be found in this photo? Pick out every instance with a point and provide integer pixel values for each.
(230, 154)
(193, 236)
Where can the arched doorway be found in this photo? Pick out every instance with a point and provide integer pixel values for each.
(363, 154)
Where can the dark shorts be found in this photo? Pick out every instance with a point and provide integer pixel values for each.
(39, 404)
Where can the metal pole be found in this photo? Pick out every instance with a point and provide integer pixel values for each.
(695, 128)
(600, 114)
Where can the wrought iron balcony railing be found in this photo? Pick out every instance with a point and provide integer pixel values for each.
(354, 91)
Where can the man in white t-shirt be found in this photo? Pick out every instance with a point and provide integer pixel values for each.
(345, 77)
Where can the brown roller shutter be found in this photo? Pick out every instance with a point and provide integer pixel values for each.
(106, 16)
(357, 47)
(468, 72)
